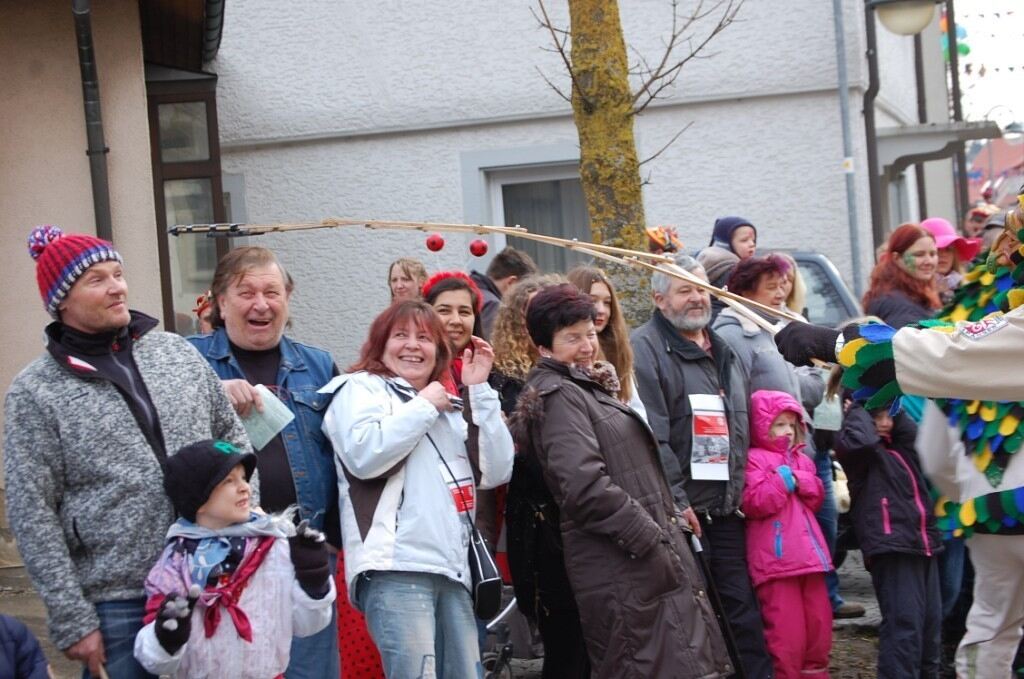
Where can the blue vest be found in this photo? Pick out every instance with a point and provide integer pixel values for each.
(303, 370)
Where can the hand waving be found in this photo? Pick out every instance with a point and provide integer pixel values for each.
(477, 362)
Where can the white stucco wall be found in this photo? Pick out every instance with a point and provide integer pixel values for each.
(342, 109)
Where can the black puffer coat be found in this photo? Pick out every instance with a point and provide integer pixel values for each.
(533, 540)
(897, 309)
(642, 600)
(889, 501)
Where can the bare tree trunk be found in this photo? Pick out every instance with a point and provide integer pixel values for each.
(602, 105)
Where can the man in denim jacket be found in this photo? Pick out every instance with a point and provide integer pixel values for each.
(248, 347)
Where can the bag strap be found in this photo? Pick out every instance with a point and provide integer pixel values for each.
(472, 523)
(406, 397)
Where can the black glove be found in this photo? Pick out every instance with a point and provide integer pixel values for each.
(174, 620)
(800, 342)
(309, 557)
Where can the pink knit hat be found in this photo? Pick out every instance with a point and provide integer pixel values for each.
(946, 236)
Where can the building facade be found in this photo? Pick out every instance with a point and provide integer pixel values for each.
(416, 111)
(436, 112)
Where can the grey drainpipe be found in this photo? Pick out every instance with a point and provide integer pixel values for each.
(97, 148)
(877, 220)
(960, 186)
(213, 28)
(844, 116)
(922, 117)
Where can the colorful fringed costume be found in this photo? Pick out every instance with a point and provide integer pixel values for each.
(969, 447)
(991, 431)
(963, 360)
(970, 451)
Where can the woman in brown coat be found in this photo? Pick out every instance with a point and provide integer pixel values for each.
(642, 602)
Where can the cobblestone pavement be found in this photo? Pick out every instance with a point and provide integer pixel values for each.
(853, 655)
(854, 641)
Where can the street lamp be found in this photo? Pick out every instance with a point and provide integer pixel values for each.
(904, 17)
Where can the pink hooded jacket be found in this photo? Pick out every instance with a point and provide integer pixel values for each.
(783, 537)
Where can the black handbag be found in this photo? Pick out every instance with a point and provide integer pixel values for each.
(486, 579)
(486, 582)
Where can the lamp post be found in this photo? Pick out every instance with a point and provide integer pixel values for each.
(903, 17)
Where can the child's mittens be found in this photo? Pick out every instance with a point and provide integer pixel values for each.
(787, 477)
(309, 557)
(174, 620)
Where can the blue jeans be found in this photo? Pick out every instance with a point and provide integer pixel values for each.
(423, 625)
(951, 572)
(828, 519)
(120, 621)
(317, 656)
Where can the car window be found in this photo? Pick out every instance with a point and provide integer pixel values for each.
(824, 303)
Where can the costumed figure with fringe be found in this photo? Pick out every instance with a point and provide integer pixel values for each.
(968, 445)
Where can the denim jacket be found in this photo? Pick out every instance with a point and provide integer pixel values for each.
(303, 370)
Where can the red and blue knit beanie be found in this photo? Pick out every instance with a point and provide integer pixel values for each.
(62, 258)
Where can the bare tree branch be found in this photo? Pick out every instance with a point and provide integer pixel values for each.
(670, 142)
(560, 45)
(665, 73)
(553, 86)
(642, 68)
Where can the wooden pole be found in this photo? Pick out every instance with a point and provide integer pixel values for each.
(228, 230)
(636, 258)
(731, 299)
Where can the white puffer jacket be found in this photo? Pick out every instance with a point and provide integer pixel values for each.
(398, 501)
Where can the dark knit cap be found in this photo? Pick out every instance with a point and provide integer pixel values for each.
(193, 472)
(61, 258)
(724, 228)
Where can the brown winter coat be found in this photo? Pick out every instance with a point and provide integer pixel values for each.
(642, 602)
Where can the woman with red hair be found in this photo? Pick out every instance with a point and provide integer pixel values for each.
(902, 288)
(408, 488)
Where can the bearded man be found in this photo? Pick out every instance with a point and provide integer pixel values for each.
(697, 399)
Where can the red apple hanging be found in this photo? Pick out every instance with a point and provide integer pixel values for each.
(435, 242)
(478, 248)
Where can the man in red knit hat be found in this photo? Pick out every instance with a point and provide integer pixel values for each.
(88, 428)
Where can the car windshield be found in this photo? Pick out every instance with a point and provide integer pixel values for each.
(824, 305)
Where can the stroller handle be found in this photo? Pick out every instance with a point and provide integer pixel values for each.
(505, 612)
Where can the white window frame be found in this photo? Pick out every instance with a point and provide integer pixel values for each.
(484, 173)
(497, 180)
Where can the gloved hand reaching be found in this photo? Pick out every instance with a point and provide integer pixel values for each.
(800, 342)
(174, 619)
(309, 557)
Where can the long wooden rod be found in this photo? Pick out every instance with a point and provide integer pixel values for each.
(236, 230)
(729, 298)
(741, 305)
(622, 256)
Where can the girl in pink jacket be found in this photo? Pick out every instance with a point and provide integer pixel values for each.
(786, 551)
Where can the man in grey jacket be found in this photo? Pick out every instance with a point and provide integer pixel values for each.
(88, 427)
(696, 396)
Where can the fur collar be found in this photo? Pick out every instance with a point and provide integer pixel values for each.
(529, 410)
